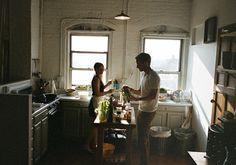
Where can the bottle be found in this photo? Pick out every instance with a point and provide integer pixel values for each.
(110, 111)
(125, 95)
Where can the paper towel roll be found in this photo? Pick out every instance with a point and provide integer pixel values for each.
(54, 89)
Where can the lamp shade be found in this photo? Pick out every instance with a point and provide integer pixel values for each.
(122, 16)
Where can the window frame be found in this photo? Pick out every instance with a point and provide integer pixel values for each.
(182, 64)
(87, 33)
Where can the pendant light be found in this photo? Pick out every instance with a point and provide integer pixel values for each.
(122, 15)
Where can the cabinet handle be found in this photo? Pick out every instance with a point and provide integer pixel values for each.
(225, 30)
(213, 101)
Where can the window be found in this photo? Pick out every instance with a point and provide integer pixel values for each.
(166, 59)
(85, 50)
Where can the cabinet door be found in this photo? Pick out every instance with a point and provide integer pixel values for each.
(44, 136)
(85, 122)
(71, 122)
(175, 119)
(36, 141)
(159, 119)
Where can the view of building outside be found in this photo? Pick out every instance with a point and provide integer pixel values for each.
(85, 52)
(165, 55)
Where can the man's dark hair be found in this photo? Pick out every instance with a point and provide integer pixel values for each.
(144, 57)
(97, 65)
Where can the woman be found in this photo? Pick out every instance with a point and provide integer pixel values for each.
(98, 89)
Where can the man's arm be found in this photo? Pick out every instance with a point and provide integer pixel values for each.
(131, 90)
(134, 91)
(152, 95)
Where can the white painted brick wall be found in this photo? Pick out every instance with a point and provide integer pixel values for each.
(144, 13)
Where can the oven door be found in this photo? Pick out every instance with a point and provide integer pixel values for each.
(54, 126)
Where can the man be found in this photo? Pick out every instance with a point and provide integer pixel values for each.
(147, 95)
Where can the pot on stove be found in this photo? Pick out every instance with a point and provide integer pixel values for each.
(41, 98)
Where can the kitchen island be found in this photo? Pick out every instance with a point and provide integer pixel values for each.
(123, 124)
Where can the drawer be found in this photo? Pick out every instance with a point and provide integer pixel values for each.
(71, 104)
(37, 118)
(74, 104)
(162, 108)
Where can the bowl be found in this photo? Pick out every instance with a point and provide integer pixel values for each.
(70, 92)
(162, 96)
(108, 150)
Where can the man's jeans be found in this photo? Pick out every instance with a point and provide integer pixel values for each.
(143, 126)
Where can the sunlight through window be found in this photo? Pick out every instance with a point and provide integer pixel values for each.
(165, 55)
(85, 52)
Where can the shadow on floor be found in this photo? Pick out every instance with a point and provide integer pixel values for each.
(72, 153)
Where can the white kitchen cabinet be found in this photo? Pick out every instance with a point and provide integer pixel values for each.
(40, 135)
(44, 142)
(171, 114)
(159, 119)
(36, 142)
(71, 122)
(85, 122)
(75, 118)
(174, 119)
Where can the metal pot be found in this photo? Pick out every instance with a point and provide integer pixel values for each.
(41, 98)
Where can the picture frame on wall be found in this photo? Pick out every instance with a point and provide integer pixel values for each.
(210, 30)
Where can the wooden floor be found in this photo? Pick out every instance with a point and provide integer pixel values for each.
(72, 153)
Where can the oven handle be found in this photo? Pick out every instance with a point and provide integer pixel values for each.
(52, 111)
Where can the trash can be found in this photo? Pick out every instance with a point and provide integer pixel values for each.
(184, 140)
(160, 139)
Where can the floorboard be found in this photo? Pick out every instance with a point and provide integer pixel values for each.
(72, 153)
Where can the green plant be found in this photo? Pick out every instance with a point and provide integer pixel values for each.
(163, 90)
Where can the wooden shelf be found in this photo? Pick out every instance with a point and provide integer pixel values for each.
(222, 70)
(226, 90)
(232, 34)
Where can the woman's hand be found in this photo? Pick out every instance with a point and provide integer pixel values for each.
(109, 82)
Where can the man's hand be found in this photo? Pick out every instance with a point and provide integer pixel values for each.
(132, 98)
(125, 87)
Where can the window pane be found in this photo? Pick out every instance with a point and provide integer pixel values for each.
(169, 81)
(87, 60)
(89, 43)
(84, 77)
(165, 53)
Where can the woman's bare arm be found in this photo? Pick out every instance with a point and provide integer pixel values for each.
(97, 84)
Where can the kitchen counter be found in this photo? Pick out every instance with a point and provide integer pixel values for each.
(82, 100)
(174, 103)
(169, 103)
(86, 98)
